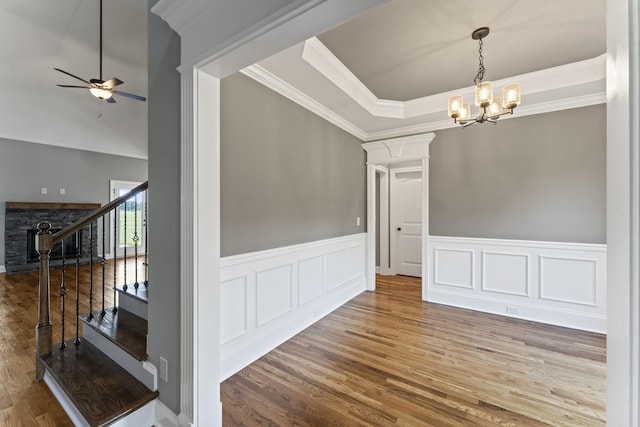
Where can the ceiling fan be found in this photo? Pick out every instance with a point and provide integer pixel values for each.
(99, 88)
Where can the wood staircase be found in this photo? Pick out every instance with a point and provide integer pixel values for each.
(101, 376)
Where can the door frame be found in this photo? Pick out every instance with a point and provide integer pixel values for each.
(385, 225)
(387, 153)
(393, 215)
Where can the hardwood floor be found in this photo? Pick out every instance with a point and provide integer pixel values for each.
(23, 401)
(389, 359)
(385, 358)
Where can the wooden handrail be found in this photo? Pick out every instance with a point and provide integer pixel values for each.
(68, 231)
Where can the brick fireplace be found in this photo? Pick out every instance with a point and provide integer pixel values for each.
(21, 220)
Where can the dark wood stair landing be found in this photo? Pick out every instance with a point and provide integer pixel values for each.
(123, 328)
(101, 390)
(139, 294)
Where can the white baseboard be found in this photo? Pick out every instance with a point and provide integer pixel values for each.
(562, 284)
(3, 269)
(269, 296)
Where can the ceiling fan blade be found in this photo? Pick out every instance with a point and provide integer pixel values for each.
(75, 77)
(110, 100)
(79, 87)
(111, 83)
(130, 95)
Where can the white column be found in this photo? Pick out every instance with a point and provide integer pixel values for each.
(186, 247)
(623, 214)
(200, 250)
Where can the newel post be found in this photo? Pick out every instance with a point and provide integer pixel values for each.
(44, 328)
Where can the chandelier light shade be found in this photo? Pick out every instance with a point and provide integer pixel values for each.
(490, 108)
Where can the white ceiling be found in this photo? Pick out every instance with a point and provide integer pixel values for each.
(40, 35)
(385, 74)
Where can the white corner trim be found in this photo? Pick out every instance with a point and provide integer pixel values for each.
(259, 74)
(151, 368)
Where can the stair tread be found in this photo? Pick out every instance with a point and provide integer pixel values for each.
(123, 328)
(140, 294)
(101, 390)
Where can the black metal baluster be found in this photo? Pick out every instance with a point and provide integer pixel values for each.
(78, 243)
(91, 243)
(103, 262)
(136, 238)
(124, 240)
(114, 258)
(63, 295)
(146, 242)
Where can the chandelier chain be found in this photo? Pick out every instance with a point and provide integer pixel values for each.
(480, 75)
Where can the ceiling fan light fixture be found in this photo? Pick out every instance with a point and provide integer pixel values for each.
(100, 93)
(490, 108)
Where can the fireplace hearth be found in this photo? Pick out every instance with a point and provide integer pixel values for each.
(21, 220)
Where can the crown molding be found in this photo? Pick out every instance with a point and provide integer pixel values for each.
(283, 88)
(327, 64)
(555, 88)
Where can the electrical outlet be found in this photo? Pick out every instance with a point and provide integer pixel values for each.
(63, 191)
(164, 369)
(358, 221)
(43, 190)
(513, 310)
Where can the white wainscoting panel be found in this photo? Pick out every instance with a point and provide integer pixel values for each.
(274, 288)
(454, 267)
(269, 296)
(506, 273)
(568, 280)
(233, 315)
(557, 283)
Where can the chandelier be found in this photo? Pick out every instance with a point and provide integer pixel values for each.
(490, 108)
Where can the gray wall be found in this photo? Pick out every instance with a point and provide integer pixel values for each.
(164, 205)
(27, 167)
(287, 175)
(538, 177)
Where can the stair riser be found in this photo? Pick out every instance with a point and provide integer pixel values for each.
(133, 305)
(121, 357)
(72, 412)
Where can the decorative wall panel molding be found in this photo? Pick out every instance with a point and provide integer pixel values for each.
(269, 296)
(556, 283)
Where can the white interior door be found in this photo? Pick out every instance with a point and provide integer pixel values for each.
(128, 221)
(406, 222)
